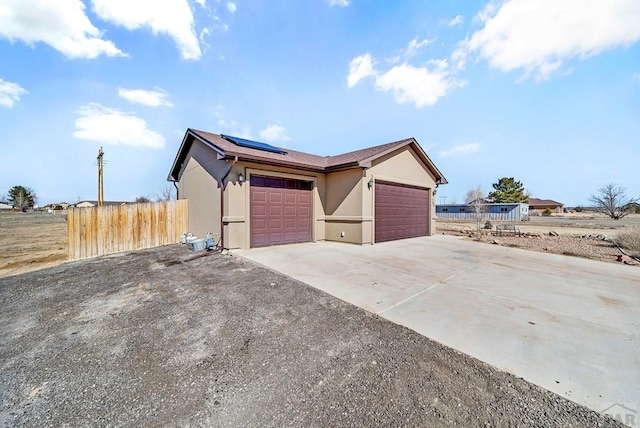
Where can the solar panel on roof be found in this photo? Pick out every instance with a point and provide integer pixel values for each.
(242, 142)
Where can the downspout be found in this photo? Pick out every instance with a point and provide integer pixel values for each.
(177, 191)
(222, 186)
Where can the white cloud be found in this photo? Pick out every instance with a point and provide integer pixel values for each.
(109, 126)
(275, 133)
(61, 24)
(155, 98)
(423, 86)
(458, 20)
(460, 150)
(359, 68)
(417, 85)
(10, 93)
(413, 48)
(231, 7)
(234, 128)
(340, 3)
(537, 36)
(171, 17)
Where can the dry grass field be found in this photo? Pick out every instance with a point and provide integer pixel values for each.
(31, 241)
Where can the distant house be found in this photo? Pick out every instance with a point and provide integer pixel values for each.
(495, 211)
(5, 206)
(89, 204)
(632, 207)
(538, 205)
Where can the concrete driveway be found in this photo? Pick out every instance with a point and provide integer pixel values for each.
(567, 324)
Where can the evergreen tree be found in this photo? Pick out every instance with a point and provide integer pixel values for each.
(508, 190)
(22, 197)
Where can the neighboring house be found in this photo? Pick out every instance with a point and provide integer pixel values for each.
(504, 212)
(89, 204)
(632, 207)
(254, 195)
(5, 206)
(538, 205)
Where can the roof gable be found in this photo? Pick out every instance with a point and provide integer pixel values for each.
(225, 148)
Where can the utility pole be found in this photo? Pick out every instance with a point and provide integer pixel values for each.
(100, 179)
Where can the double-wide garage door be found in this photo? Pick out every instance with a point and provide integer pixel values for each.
(280, 211)
(400, 212)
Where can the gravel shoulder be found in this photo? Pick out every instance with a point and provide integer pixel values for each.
(557, 237)
(147, 338)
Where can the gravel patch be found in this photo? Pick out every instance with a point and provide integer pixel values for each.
(590, 246)
(150, 339)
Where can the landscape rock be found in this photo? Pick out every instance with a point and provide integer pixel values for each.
(627, 260)
(553, 233)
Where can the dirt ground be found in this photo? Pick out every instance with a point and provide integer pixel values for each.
(148, 338)
(30, 241)
(587, 236)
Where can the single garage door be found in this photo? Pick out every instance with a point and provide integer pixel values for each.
(400, 212)
(280, 211)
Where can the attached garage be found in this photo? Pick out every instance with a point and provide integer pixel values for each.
(400, 212)
(252, 194)
(280, 211)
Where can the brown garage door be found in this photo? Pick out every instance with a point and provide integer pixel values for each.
(400, 212)
(280, 211)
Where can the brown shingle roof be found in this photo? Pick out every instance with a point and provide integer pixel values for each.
(294, 158)
(536, 201)
(358, 156)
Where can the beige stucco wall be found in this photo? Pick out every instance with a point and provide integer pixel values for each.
(344, 208)
(198, 184)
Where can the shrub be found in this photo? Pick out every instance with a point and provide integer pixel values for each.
(630, 240)
(488, 225)
(546, 212)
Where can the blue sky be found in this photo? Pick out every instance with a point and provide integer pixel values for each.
(545, 91)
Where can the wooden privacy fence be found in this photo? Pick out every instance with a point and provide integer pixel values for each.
(97, 231)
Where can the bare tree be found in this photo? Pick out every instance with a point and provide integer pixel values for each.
(612, 201)
(142, 200)
(166, 194)
(475, 198)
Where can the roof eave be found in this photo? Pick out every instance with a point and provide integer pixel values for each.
(187, 141)
(275, 162)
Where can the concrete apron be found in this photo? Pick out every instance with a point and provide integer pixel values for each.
(567, 324)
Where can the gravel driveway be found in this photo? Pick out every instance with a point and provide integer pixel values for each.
(149, 339)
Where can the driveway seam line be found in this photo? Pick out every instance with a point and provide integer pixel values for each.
(402, 302)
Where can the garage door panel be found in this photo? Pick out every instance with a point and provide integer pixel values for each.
(275, 197)
(280, 211)
(258, 196)
(400, 212)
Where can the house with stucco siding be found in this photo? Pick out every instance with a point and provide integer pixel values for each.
(251, 194)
